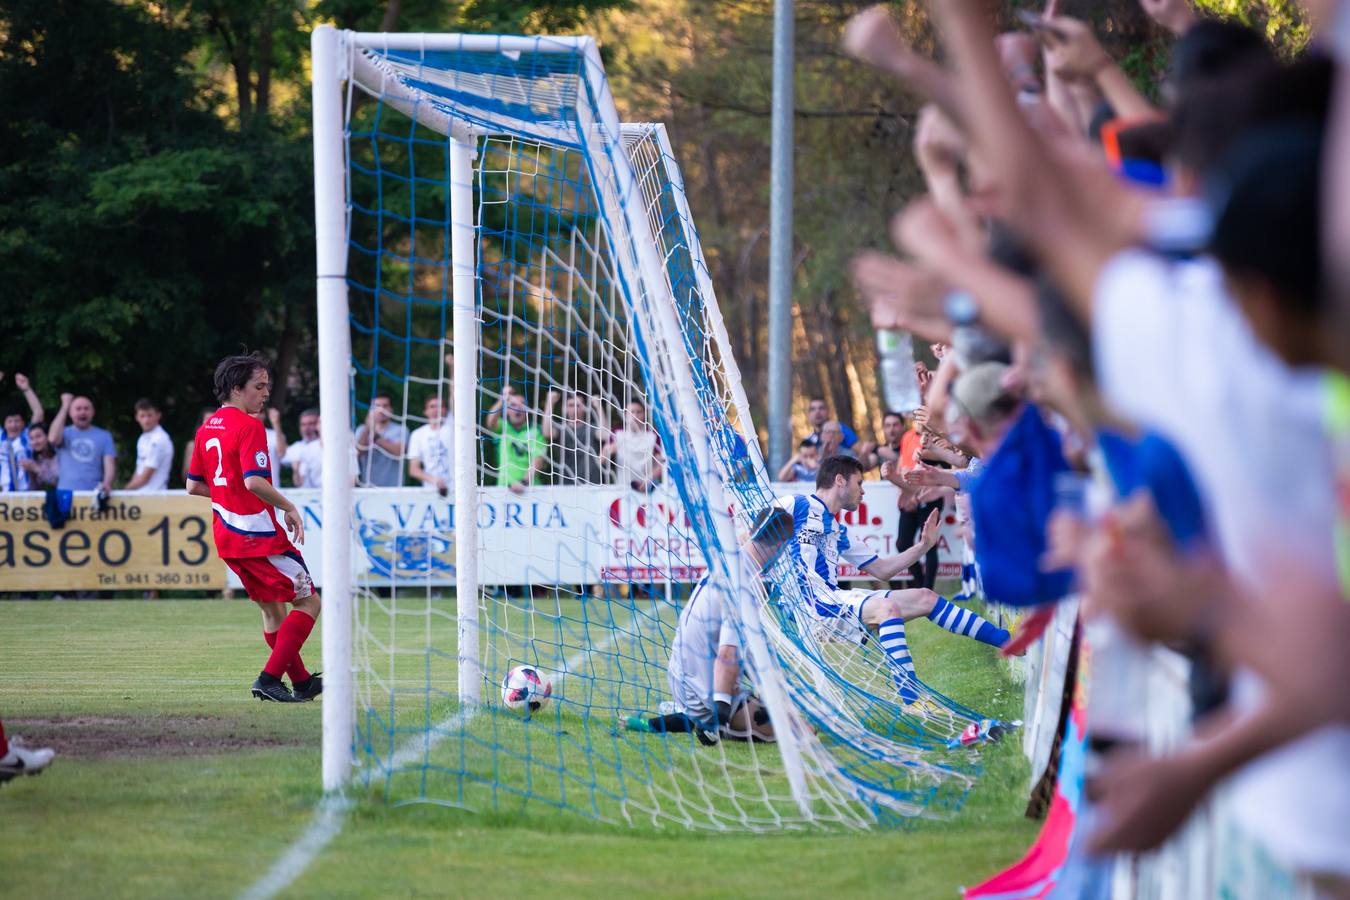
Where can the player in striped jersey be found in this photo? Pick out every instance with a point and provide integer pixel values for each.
(821, 542)
(705, 668)
(231, 465)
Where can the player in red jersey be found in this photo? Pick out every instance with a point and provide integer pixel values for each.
(230, 464)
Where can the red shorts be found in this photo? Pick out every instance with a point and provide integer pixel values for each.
(273, 579)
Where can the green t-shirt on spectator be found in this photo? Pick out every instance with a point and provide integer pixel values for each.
(516, 447)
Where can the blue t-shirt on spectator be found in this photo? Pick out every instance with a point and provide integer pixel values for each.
(81, 457)
(850, 436)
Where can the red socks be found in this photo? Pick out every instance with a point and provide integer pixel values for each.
(296, 670)
(286, 644)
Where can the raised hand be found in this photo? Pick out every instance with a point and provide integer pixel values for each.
(274, 417)
(921, 417)
(899, 295)
(67, 399)
(1174, 15)
(1072, 51)
(872, 37)
(20, 381)
(929, 476)
(938, 145)
(932, 529)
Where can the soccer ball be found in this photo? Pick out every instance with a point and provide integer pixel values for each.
(525, 689)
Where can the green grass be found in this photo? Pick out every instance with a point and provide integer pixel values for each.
(172, 782)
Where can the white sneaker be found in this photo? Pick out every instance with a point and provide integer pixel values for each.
(21, 760)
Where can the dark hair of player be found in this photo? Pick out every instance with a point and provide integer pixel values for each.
(771, 526)
(145, 404)
(837, 465)
(234, 372)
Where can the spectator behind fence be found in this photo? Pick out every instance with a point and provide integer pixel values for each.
(15, 450)
(579, 436)
(830, 441)
(41, 467)
(154, 451)
(304, 456)
(521, 451)
(431, 448)
(893, 428)
(87, 454)
(636, 450)
(817, 414)
(803, 464)
(380, 442)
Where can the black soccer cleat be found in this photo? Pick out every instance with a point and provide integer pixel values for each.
(266, 688)
(310, 688)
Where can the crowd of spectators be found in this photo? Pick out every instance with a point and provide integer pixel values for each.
(572, 442)
(1120, 291)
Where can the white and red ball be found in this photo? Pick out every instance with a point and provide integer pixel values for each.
(525, 689)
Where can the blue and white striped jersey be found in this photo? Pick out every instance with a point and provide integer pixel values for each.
(820, 542)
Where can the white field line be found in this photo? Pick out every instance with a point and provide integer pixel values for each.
(331, 813)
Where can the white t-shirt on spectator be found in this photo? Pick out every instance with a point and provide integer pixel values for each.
(154, 450)
(306, 461)
(272, 455)
(301, 451)
(435, 448)
(1173, 352)
(634, 455)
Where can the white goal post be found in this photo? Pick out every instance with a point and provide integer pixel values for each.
(478, 194)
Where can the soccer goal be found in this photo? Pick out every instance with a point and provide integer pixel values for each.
(512, 274)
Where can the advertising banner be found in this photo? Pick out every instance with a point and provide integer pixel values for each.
(562, 535)
(151, 541)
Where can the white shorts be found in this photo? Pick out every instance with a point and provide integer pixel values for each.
(692, 699)
(846, 605)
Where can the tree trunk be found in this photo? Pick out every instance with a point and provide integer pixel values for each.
(263, 90)
(287, 348)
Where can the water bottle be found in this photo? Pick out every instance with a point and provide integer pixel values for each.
(899, 384)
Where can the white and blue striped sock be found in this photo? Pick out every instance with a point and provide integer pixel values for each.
(891, 633)
(959, 620)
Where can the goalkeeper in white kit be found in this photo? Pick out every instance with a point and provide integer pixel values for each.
(705, 656)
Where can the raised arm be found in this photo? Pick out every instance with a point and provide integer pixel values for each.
(56, 434)
(548, 427)
(1074, 54)
(30, 396)
(600, 420)
(494, 416)
(891, 566)
(1068, 227)
(872, 37)
(1006, 300)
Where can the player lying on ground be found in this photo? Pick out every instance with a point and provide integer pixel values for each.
(705, 668)
(821, 542)
(230, 465)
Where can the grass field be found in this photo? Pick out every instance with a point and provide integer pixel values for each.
(173, 782)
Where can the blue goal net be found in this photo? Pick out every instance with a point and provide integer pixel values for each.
(546, 655)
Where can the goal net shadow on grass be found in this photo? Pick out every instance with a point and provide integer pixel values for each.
(599, 352)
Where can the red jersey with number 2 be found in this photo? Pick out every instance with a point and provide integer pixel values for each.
(230, 446)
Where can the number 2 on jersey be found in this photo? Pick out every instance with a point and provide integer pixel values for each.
(214, 444)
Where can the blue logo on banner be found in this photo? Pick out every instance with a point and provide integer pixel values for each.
(406, 554)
